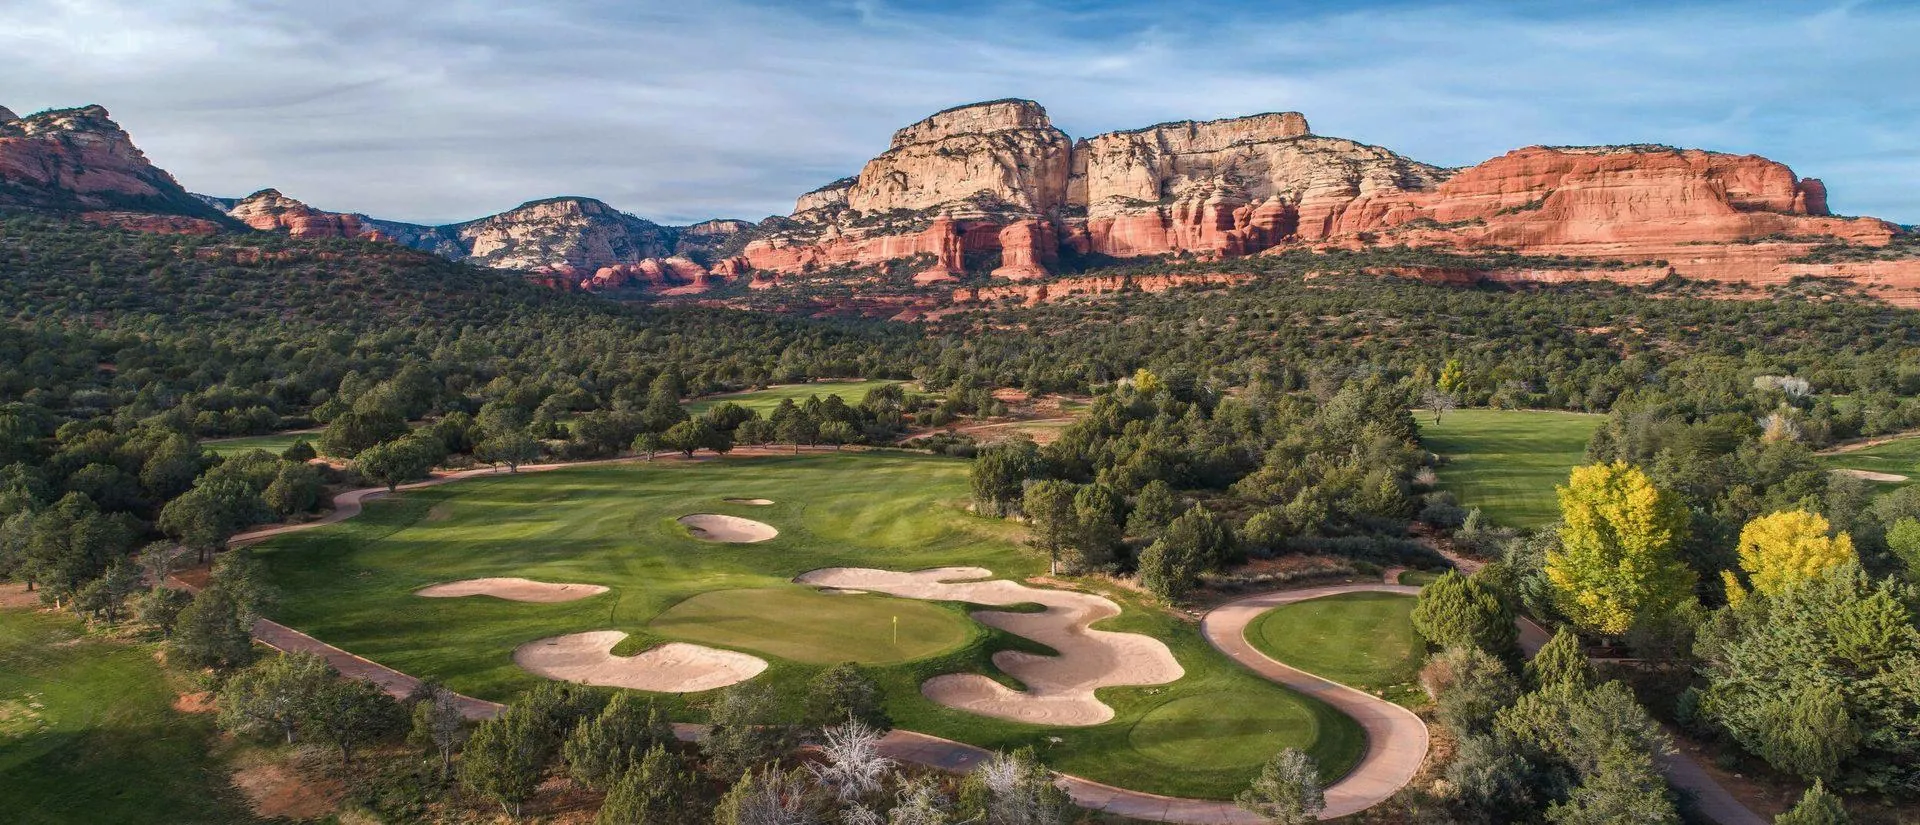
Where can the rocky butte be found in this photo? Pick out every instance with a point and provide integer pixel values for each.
(994, 189)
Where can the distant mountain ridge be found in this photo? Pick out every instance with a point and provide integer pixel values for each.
(994, 193)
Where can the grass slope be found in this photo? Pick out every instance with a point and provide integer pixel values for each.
(275, 443)
(764, 401)
(88, 733)
(1363, 640)
(351, 584)
(1506, 462)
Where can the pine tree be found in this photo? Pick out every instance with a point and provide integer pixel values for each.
(1817, 807)
(505, 757)
(1560, 662)
(655, 790)
(600, 751)
(1287, 791)
(1461, 611)
(1626, 788)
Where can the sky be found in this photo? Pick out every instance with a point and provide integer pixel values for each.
(436, 112)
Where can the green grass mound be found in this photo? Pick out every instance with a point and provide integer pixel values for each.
(1237, 730)
(806, 625)
(1363, 640)
(1506, 462)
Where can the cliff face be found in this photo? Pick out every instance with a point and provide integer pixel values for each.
(79, 160)
(270, 211)
(580, 232)
(998, 178)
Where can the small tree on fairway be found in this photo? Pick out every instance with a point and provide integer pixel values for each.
(1287, 791)
(1049, 508)
(1560, 662)
(105, 598)
(393, 463)
(301, 451)
(512, 449)
(350, 713)
(1816, 807)
(846, 692)
(438, 723)
(1167, 570)
(505, 757)
(648, 443)
(276, 695)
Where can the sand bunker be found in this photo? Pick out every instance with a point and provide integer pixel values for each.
(730, 529)
(757, 502)
(1871, 475)
(512, 589)
(1059, 688)
(674, 667)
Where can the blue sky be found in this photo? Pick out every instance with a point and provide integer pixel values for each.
(681, 111)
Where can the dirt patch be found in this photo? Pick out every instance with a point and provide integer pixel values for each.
(1871, 475)
(196, 702)
(15, 595)
(757, 502)
(277, 790)
(1060, 689)
(440, 512)
(728, 529)
(512, 589)
(674, 667)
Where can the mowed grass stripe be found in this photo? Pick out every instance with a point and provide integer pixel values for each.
(766, 400)
(1507, 462)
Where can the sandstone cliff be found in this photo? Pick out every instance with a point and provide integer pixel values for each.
(76, 160)
(268, 210)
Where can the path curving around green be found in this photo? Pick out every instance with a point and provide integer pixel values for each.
(1362, 639)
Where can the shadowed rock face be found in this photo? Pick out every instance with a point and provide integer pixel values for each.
(78, 160)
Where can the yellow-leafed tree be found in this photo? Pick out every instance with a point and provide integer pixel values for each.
(1617, 562)
(1785, 547)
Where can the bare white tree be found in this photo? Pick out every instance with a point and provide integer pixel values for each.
(1287, 791)
(860, 815)
(1779, 426)
(851, 763)
(1020, 791)
(921, 803)
(1437, 402)
(769, 797)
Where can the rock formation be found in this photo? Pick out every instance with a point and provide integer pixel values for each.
(268, 210)
(7, 114)
(580, 232)
(76, 160)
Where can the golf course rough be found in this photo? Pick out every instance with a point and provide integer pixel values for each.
(1060, 689)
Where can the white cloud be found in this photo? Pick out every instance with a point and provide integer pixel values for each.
(677, 111)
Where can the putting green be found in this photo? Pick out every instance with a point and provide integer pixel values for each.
(351, 584)
(806, 625)
(1363, 640)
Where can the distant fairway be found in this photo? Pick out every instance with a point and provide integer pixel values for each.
(1900, 456)
(275, 443)
(766, 400)
(1507, 462)
(615, 525)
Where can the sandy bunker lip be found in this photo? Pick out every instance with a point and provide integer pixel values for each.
(512, 589)
(674, 667)
(729, 529)
(1060, 689)
(757, 502)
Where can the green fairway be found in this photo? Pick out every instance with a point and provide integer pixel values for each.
(275, 443)
(1506, 462)
(88, 733)
(1235, 730)
(1363, 640)
(764, 401)
(806, 625)
(1900, 456)
(351, 584)
(1418, 578)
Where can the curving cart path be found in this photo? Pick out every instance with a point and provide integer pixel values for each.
(1396, 738)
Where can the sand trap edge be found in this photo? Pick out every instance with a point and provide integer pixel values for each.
(513, 589)
(725, 529)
